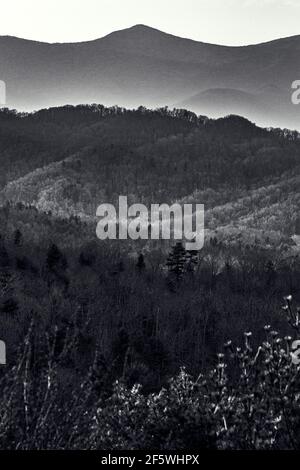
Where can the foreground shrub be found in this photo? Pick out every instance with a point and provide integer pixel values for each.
(249, 400)
(173, 419)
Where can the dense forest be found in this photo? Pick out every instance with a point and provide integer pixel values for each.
(86, 320)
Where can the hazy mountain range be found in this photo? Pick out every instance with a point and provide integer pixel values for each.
(144, 66)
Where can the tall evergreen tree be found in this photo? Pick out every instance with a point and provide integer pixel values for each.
(141, 263)
(18, 238)
(55, 258)
(177, 259)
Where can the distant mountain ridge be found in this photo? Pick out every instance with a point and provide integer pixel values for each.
(144, 66)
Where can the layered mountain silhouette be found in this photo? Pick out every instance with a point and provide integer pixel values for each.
(144, 66)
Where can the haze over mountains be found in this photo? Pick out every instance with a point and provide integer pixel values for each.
(144, 66)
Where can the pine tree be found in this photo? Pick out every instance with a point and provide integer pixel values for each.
(270, 273)
(176, 261)
(140, 263)
(55, 258)
(18, 238)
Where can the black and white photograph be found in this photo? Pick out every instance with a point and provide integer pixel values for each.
(149, 228)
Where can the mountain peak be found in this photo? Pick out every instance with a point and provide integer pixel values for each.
(142, 27)
(138, 30)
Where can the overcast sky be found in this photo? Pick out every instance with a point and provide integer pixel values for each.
(231, 22)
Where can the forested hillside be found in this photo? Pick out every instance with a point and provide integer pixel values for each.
(69, 160)
(137, 311)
